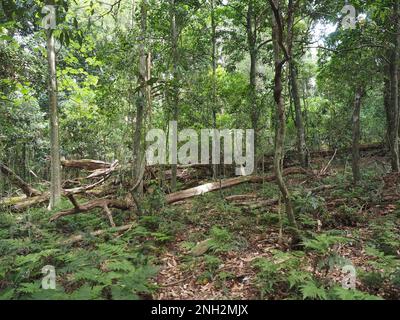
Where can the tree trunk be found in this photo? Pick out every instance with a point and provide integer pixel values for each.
(141, 99)
(277, 32)
(55, 166)
(175, 98)
(304, 156)
(214, 77)
(395, 92)
(251, 42)
(391, 95)
(356, 135)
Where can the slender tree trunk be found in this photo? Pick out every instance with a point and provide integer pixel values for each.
(277, 31)
(388, 107)
(303, 153)
(394, 75)
(142, 99)
(251, 42)
(214, 77)
(55, 166)
(175, 89)
(302, 149)
(391, 95)
(356, 135)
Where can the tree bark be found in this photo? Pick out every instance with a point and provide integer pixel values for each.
(175, 86)
(55, 166)
(223, 184)
(391, 93)
(253, 51)
(356, 135)
(86, 164)
(142, 100)
(278, 44)
(303, 153)
(395, 91)
(214, 77)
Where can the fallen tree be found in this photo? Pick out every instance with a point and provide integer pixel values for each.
(38, 198)
(86, 164)
(18, 181)
(227, 183)
(97, 233)
(290, 157)
(104, 204)
(28, 202)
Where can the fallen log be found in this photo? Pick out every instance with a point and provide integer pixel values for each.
(80, 237)
(27, 202)
(100, 203)
(21, 204)
(363, 148)
(18, 181)
(86, 164)
(227, 183)
(290, 157)
(104, 172)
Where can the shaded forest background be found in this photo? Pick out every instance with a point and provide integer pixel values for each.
(318, 84)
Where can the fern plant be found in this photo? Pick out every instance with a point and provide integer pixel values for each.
(272, 271)
(323, 245)
(221, 240)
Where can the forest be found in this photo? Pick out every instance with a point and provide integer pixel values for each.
(199, 150)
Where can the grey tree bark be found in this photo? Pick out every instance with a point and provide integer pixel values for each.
(302, 150)
(142, 100)
(251, 29)
(214, 76)
(356, 135)
(55, 166)
(175, 85)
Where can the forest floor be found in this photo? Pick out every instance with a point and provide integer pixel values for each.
(336, 208)
(228, 244)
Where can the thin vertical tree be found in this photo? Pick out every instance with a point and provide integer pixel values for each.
(175, 80)
(142, 100)
(356, 134)
(214, 76)
(281, 57)
(55, 166)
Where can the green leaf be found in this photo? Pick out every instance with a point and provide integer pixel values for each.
(311, 291)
